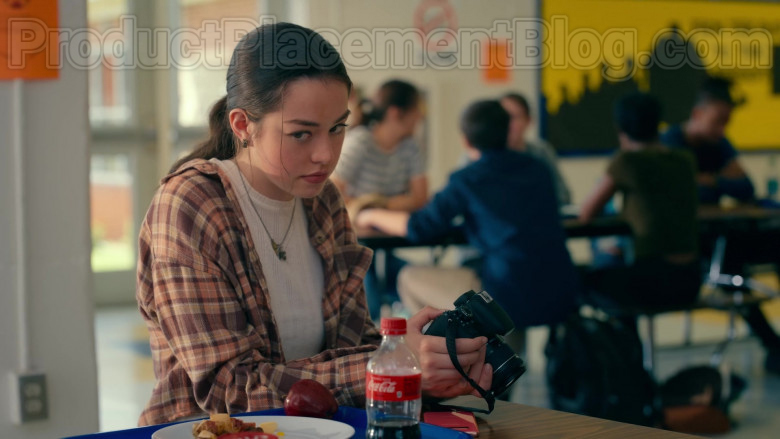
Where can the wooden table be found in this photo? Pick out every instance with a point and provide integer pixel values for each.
(508, 420)
(518, 421)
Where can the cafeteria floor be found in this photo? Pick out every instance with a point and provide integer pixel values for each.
(126, 377)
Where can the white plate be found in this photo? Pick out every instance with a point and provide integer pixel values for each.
(293, 427)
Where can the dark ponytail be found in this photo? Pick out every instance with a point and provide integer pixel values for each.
(394, 93)
(220, 143)
(263, 62)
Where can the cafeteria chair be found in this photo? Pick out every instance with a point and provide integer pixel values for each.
(724, 292)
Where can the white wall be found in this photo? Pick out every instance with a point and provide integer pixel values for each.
(57, 246)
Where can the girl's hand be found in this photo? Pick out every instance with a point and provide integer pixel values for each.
(439, 376)
(363, 219)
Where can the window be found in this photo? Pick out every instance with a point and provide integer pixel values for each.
(111, 194)
(110, 88)
(201, 77)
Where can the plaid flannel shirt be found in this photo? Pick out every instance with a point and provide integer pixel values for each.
(202, 292)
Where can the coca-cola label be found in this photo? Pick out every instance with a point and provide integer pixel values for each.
(393, 388)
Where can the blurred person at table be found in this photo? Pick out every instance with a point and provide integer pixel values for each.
(721, 174)
(703, 134)
(382, 166)
(250, 276)
(659, 188)
(380, 157)
(658, 185)
(526, 266)
(520, 119)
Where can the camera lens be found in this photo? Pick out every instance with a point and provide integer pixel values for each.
(507, 366)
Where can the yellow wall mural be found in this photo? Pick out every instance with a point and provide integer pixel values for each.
(595, 51)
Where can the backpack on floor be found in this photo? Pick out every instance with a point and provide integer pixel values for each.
(697, 400)
(595, 368)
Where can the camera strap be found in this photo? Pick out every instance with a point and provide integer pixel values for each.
(489, 397)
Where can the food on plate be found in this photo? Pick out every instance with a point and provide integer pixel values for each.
(268, 427)
(222, 426)
(310, 398)
(248, 435)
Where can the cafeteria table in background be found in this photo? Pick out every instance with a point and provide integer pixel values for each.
(718, 228)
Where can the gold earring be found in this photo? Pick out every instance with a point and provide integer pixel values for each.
(244, 143)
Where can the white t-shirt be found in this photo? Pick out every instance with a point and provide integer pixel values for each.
(296, 285)
(367, 169)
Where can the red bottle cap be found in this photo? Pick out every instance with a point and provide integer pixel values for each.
(393, 326)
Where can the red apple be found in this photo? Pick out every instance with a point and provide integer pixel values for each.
(310, 398)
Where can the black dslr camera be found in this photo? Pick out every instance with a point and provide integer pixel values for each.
(477, 314)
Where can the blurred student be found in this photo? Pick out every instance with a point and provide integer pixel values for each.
(382, 166)
(520, 119)
(719, 170)
(660, 197)
(658, 185)
(380, 158)
(720, 174)
(526, 266)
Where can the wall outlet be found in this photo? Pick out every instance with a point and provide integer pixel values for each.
(29, 397)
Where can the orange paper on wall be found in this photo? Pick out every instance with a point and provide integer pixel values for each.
(29, 39)
(496, 62)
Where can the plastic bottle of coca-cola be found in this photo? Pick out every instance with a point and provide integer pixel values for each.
(393, 386)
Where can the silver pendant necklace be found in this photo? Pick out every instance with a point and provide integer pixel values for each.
(276, 246)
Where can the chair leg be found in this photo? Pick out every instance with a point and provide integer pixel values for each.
(717, 356)
(688, 328)
(648, 347)
(380, 259)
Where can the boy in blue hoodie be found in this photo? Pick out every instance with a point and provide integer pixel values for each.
(509, 212)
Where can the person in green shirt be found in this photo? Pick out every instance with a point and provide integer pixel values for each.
(658, 185)
(659, 188)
